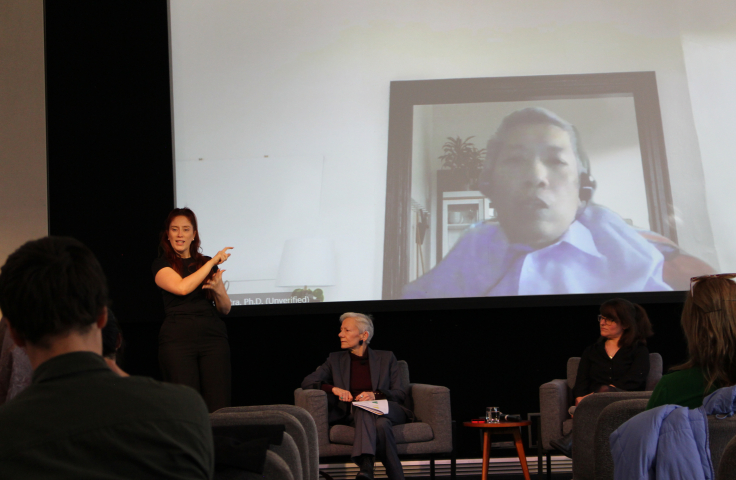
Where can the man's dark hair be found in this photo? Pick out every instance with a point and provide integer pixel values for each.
(112, 336)
(51, 286)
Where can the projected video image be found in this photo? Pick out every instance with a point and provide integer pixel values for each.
(536, 197)
(391, 150)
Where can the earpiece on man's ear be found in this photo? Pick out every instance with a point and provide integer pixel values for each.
(587, 187)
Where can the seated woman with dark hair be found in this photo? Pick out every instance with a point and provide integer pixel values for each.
(618, 361)
(709, 322)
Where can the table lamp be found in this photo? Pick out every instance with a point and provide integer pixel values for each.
(307, 262)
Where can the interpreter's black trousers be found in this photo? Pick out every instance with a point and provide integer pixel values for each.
(194, 351)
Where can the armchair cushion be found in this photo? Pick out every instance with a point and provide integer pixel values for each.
(407, 433)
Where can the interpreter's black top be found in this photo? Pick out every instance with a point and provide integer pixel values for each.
(194, 303)
(79, 419)
(627, 370)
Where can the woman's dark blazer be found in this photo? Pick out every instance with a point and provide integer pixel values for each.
(335, 371)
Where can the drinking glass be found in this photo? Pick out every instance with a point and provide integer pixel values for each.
(493, 415)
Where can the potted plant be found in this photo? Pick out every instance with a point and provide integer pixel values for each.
(463, 158)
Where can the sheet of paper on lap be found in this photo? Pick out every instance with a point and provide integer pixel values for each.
(379, 407)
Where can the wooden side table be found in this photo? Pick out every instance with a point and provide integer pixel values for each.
(509, 428)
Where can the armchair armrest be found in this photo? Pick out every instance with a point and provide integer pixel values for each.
(553, 404)
(432, 406)
(583, 428)
(610, 418)
(274, 469)
(315, 402)
(292, 445)
(727, 465)
(721, 435)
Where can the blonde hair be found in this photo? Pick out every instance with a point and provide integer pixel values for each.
(709, 322)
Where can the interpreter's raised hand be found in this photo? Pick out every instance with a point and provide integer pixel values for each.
(222, 255)
(343, 395)
(215, 282)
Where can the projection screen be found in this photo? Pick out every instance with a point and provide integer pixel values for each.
(386, 150)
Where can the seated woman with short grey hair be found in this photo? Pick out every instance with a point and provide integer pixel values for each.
(359, 373)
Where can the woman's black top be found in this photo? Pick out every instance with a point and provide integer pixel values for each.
(194, 303)
(627, 370)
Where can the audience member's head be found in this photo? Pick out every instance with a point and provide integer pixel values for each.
(113, 343)
(632, 318)
(709, 322)
(112, 337)
(52, 287)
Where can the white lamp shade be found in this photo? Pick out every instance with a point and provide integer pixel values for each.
(307, 262)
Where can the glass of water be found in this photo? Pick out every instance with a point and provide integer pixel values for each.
(493, 415)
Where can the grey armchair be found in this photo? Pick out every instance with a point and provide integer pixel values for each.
(555, 398)
(727, 467)
(304, 433)
(721, 432)
(430, 435)
(283, 462)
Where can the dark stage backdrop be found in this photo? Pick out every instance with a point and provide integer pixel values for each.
(111, 185)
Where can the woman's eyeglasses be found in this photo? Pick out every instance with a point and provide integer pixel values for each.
(606, 320)
(694, 280)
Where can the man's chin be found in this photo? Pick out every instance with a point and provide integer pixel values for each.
(538, 237)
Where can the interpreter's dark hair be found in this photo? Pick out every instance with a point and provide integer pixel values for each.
(52, 286)
(112, 336)
(709, 322)
(194, 248)
(528, 116)
(632, 318)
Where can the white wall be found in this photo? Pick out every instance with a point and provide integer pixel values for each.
(710, 59)
(293, 78)
(23, 211)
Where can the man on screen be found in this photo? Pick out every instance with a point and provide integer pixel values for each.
(548, 238)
